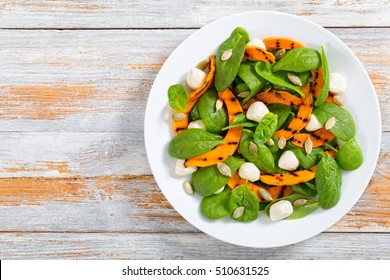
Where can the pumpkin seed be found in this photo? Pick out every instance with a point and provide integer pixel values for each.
(267, 88)
(300, 202)
(270, 142)
(226, 54)
(265, 194)
(188, 188)
(253, 148)
(179, 116)
(224, 169)
(238, 212)
(308, 145)
(282, 142)
(294, 79)
(203, 64)
(243, 94)
(220, 190)
(218, 105)
(279, 54)
(338, 100)
(330, 123)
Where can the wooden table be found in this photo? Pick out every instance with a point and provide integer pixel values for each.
(75, 181)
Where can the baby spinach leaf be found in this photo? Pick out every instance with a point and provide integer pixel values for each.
(194, 113)
(266, 128)
(248, 74)
(306, 160)
(213, 120)
(242, 196)
(263, 160)
(303, 210)
(325, 89)
(264, 70)
(344, 129)
(282, 111)
(240, 120)
(193, 142)
(241, 88)
(328, 182)
(216, 206)
(243, 32)
(178, 97)
(227, 70)
(304, 190)
(350, 156)
(207, 180)
(299, 60)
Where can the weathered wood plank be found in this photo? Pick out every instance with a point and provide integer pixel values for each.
(99, 81)
(167, 14)
(185, 246)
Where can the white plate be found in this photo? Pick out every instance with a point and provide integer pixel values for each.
(360, 100)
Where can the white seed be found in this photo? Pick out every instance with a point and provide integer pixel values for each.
(181, 170)
(249, 171)
(336, 83)
(308, 145)
(282, 142)
(338, 100)
(267, 88)
(203, 64)
(197, 124)
(253, 148)
(226, 54)
(179, 116)
(330, 123)
(218, 105)
(195, 78)
(280, 210)
(243, 94)
(270, 142)
(238, 212)
(256, 111)
(220, 190)
(294, 79)
(288, 161)
(313, 124)
(279, 54)
(265, 194)
(224, 169)
(188, 188)
(300, 202)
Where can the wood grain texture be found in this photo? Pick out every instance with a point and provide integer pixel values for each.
(186, 246)
(181, 14)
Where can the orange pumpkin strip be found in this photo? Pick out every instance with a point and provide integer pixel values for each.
(231, 140)
(287, 191)
(318, 81)
(289, 179)
(180, 125)
(330, 99)
(302, 117)
(259, 54)
(281, 43)
(319, 138)
(274, 96)
(235, 181)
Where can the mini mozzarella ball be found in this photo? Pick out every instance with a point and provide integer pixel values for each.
(337, 83)
(195, 78)
(181, 170)
(288, 161)
(313, 124)
(256, 43)
(280, 210)
(197, 124)
(256, 111)
(249, 171)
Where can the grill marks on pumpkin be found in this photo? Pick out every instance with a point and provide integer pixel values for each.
(259, 54)
(281, 43)
(274, 97)
(319, 138)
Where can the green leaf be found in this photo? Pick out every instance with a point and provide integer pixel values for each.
(350, 156)
(266, 128)
(304, 190)
(248, 74)
(298, 211)
(344, 129)
(194, 113)
(242, 32)
(240, 120)
(242, 196)
(299, 60)
(213, 120)
(263, 160)
(178, 97)
(306, 160)
(193, 142)
(282, 111)
(264, 70)
(325, 89)
(216, 206)
(328, 182)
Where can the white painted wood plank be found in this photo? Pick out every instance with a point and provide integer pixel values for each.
(99, 81)
(167, 14)
(328, 246)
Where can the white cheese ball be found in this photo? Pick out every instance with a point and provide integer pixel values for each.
(256, 43)
(313, 124)
(249, 171)
(288, 161)
(181, 170)
(256, 111)
(280, 210)
(195, 78)
(337, 83)
(197, 124)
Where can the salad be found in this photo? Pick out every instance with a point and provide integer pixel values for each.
(263, 129)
